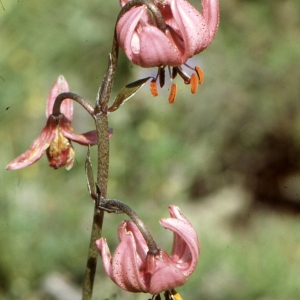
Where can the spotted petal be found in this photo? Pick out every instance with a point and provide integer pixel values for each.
(186, 248)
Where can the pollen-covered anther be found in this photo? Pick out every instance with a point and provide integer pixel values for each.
(200, 74)
(153, 88)
(194, 83)
(173, 93)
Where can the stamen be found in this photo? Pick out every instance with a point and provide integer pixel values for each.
(194, 83)
(175, 295)
(158, 297)
(173, 93)
(200, 74)
(183, 75)
(174, 73)
(161, 76)
(153, 88)
(167, 295)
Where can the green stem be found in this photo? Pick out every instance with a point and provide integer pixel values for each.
(101, 122)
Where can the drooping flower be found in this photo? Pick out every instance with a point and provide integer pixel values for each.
(56, 136)
(135, 269)
(186, 32)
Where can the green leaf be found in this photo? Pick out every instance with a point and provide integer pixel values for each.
(127, 92)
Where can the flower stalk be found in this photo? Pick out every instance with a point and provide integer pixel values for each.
(115, 206)
(101, 122)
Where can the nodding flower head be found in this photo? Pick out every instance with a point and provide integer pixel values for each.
(135, 269)
(167, 37)
(56, 136)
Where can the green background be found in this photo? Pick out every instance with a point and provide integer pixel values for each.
(228, 156)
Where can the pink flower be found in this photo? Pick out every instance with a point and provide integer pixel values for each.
(56, 136)
(187, 32)
(134, 269)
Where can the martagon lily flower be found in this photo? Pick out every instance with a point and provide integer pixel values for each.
(56, 136)
(187, 32)
(135, 269)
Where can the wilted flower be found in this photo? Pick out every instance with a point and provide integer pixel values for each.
(187, 32)
(135, 269)
(56, 136)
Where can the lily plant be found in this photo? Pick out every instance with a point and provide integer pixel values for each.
(153, 33)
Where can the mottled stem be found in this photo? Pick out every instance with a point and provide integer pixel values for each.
(101, 121)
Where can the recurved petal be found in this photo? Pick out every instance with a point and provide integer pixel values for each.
(60, 86)
(103, 249)
(140, 243)
(211, 15)
(126, 31)
(143, 43)
(166, 274)
(186, 248)
(123, 270)
(37, 148)
(192, 27)
(88, 138)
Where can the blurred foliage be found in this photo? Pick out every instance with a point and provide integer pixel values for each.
(216, 154)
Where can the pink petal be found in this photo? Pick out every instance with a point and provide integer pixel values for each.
(88, 138)
(186, 248)
(211, 15)
(38, 147)
(66, 108)
(106, 256)
(126, 31)
(157, 272)
(140, 243)
(157, 49)
(192, 27)
(144, 44)
(123, 269)
(166, 275)
(107, 259)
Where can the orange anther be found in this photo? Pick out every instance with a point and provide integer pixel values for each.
(200, 74)
(153, 88)
(194, 83)
(173, 93)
